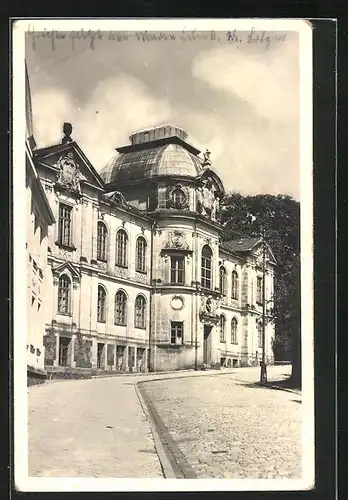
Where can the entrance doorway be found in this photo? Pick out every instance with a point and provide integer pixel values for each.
(101, 356)
(64, 344)
(206, 344)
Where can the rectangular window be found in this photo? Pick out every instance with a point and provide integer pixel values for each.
(177, 268)
(177, 332)
(259, 335)
(259, 290)
(162, 201)
(64, 225)
(206, 272)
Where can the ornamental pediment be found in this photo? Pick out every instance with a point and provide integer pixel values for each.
(66, 268)
(70, 166)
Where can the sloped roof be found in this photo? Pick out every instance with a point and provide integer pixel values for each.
(240, 244)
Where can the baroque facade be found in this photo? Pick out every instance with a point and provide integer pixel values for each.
(140, 278)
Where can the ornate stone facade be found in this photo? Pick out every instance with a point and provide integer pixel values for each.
(136, 285)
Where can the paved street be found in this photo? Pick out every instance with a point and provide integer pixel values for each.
(223, 425)
(230, 429)
(90, 428)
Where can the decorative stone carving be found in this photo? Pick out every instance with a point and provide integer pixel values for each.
(177, 240)
(207, 199)
(209, 307)
(69, 175)
(206, 159)
(177, 303)
(141, 278)
(122, 272)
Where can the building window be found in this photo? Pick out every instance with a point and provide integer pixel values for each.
(222, 328)
(177, 268)
(64, 225)
(259, 334)
(120, 308)
(259, 290)
(206, 271)
(178, 197)
(141, 255)
(121, 248)
(176, 332)
(102, 234)
(101, 304)
(140, 311)
(234, 325)
(222, 283)
(235, 285)
(64, 295)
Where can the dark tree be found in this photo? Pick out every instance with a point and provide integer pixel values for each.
(279, 218)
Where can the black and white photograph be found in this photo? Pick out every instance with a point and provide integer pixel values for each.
(163, 282)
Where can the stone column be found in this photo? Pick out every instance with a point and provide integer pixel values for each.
(56, 361)
(94, 350)
(72, 359)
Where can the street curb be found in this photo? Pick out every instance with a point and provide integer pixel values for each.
(167, 469)
(173, 461)
(276, 387)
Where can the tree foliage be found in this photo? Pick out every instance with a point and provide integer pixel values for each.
(279, 218)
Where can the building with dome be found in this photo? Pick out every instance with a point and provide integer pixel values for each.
(140, 277)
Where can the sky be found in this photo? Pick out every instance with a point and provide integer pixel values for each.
(239, 100)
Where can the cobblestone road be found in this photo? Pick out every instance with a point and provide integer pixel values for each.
(231, 429)
(224, 427)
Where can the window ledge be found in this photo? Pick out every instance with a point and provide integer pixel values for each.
(121, 266)
(64, 313)
(140, 271)
(120, 324)
(102, 260)
(65, 247)
(101, 321)
(140, 327)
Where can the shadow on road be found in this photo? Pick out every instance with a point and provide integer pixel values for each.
(274, 385)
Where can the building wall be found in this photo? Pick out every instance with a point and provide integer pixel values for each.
(38, 273)
(79, 340)
(80, 328)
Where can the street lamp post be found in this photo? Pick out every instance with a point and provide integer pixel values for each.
(263, 371)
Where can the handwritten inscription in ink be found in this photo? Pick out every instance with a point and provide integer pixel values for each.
(262, 38)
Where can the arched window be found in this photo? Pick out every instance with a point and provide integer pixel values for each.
(178, 197)
(101, 306)
(222, 283)
(102, 234)
(121, 248)
(206, 267)
(140, 306)
(141, 255)
(234, 325)
(222, 328)
(120, 308)
(64, 295)
(235, 285)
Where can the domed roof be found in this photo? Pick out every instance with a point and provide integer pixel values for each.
(162, 152)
